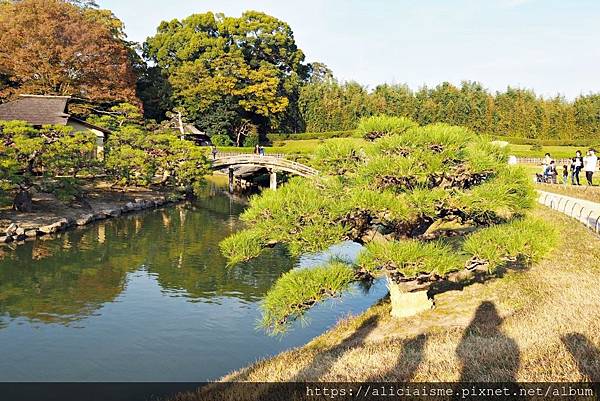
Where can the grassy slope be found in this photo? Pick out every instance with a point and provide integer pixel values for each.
(548, 329)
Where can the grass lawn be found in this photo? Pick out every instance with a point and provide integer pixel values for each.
(541, 324)
(292, 146)
(305, 146)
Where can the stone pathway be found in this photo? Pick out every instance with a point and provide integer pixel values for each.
(587, 212)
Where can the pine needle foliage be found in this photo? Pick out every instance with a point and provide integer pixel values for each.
(379, 126)
(410, 258)
(398, 186)
(527, 238)
(297, 290)
(242, 246)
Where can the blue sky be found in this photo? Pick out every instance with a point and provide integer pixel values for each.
(548, 45)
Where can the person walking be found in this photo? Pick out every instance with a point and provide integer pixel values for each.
(214, 152)
(590, 166)
(577, 167)
(565, 175)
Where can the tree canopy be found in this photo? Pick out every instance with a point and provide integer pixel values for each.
(328, 105)
(54, 47)
(227, 71)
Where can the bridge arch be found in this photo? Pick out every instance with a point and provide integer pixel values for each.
(274, 163)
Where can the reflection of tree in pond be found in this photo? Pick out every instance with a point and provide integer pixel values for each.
(66, 278)
(70, 277)
(187, 256)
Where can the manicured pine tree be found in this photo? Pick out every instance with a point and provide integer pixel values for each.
(396, 194)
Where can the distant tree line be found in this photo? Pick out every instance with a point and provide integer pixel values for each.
(329, 105)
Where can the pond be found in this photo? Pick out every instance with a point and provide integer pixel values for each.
(148, 297)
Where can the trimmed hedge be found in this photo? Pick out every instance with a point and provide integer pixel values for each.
(312, 135)
(547, 142)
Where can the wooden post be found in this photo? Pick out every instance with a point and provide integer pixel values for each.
(273, 180)
(230, 180)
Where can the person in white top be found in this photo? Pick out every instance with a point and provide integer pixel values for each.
(590, 165)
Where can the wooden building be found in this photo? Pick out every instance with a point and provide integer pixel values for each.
(39, 110)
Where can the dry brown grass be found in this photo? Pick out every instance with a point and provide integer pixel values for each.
(542, 324)
(538, 325)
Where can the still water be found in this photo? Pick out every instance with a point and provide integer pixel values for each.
(148, 297)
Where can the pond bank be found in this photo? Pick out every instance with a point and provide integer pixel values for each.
(51, 216)
(537, 325)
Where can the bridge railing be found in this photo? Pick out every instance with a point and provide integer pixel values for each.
(233, 154)
(235, 158)
(540, 161)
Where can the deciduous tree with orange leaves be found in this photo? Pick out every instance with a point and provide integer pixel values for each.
(55, 47)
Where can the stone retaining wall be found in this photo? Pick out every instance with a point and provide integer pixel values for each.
(16, 234)
(586, 212)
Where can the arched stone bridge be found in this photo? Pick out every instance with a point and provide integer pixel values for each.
(274, 163)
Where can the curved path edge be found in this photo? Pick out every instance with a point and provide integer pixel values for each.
(585, 211)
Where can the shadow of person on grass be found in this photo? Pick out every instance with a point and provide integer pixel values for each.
(485, 352)
(586, 355)
(325, 359)
(408, 361)
(319, 366)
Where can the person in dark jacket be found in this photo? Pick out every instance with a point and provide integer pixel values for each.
(577, 166)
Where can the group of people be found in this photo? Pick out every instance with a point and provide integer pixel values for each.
(571, 171)
(258, 150)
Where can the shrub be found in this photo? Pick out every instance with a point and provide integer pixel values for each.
(375, 127)
(221, 140)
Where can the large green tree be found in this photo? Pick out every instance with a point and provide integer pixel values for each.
(28, 153)
(227, 72)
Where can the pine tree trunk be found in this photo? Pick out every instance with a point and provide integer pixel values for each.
(405, 303)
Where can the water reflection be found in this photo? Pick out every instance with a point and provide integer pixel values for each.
(147, 296)
(71, 276)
